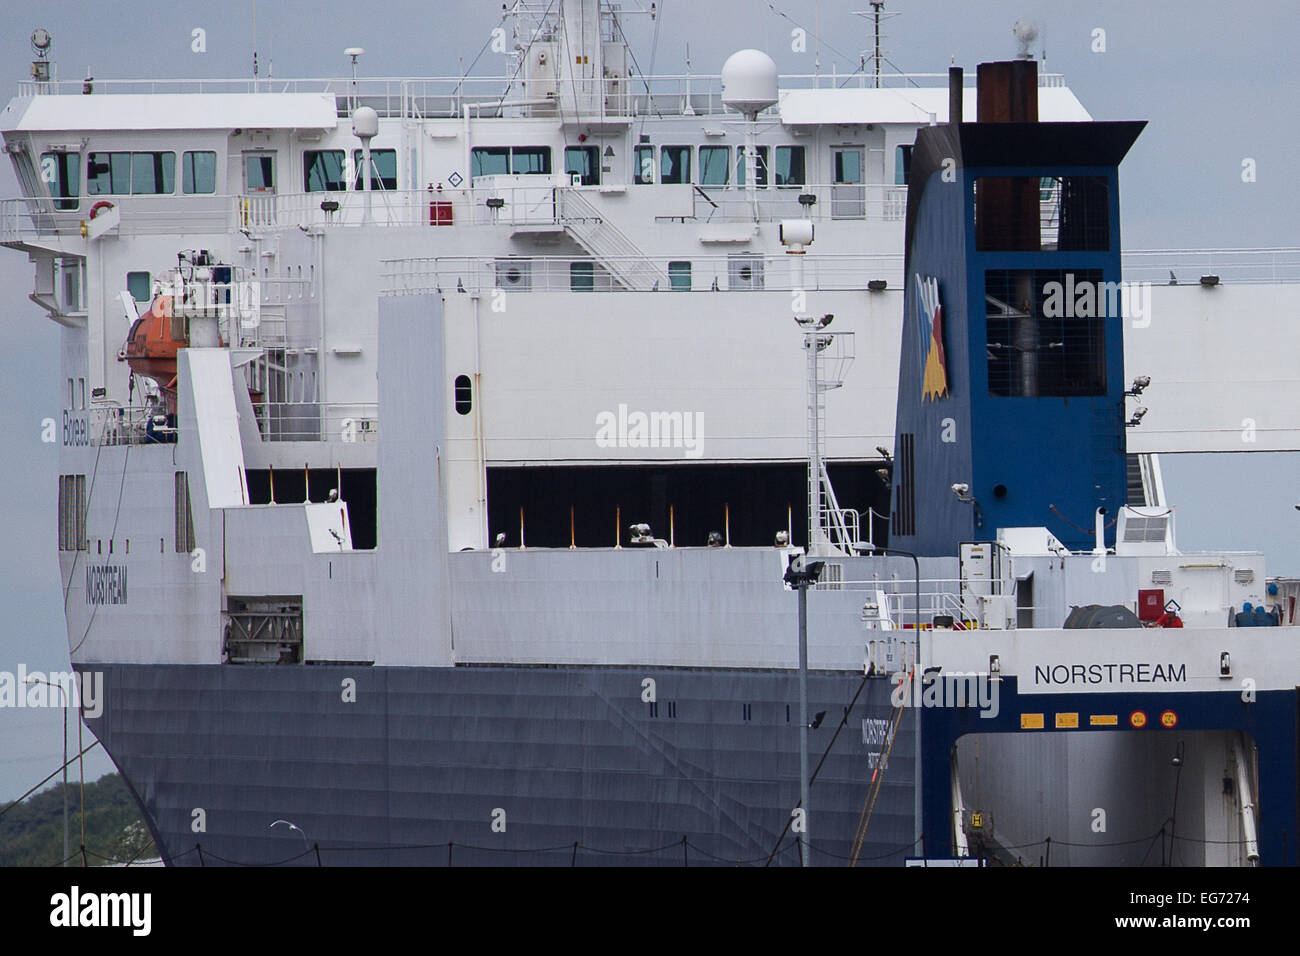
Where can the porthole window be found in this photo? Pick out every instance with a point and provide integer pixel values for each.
(464, 395)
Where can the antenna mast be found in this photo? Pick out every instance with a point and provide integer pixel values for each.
(254, 46)
(876, 14)
(876, 7)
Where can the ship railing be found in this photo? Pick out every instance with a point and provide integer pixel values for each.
(318, 421)
(939, 597)
(446, 97)
(108, 425)
(520, 203)
(30, 218)
(528, 274)
(820, 202)
(1234, 266)
(397, 207)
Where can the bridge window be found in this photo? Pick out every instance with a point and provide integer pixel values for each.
(530, 160)
(761, 178)
(675, 164)
(124, 174)
(61, 174)
(715, 165)
(108, 174)
(490, 161)
(322, 171)
(645, 165)
(153, 173)
(383, 168)
(199, 172)
(583, 161)
(789, 166)
(510, 160)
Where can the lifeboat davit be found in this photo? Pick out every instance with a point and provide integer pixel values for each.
(151, 348)
(152, 344)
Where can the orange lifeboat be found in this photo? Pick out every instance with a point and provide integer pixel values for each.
(151, 347)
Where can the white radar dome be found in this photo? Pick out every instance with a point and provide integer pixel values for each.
(365, 123)
(749, 81)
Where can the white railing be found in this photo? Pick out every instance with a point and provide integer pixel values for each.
(772, 273)
(1235, 266)
(447, 97)
(35, 218)
(817, 201)
(115, 425)
(318, 421)
(939, 596)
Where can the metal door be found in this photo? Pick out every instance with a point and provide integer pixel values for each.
(848, 192)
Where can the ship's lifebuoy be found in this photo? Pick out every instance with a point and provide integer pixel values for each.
(102, 204)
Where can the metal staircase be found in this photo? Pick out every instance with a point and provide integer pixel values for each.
(616, 253)
(1145, 484)
(831, 529)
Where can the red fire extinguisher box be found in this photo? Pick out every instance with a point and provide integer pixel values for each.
(440, 212)
(1151, 603)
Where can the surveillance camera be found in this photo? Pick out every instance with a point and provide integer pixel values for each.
(1142, 381)
(961, 489)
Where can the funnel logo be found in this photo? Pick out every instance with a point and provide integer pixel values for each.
(934, 365)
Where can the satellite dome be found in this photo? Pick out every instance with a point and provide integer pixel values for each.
(749, 81)
(365, 123)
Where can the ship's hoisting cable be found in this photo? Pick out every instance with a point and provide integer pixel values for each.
(487, 43)
(877, 780)
(57, 771)
(811, 780)
(645, 78)
(94, 608)
(531, 40)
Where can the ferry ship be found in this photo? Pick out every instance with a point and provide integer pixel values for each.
(476, 441)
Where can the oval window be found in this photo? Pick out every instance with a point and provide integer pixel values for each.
(464, 395)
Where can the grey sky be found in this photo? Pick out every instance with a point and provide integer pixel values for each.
(1215, 81)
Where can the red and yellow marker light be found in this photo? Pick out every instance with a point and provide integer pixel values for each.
(1138, 719)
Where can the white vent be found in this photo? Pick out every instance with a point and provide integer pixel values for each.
(1162, 577)
(1243, 575)
(1140, 529)
(745, 273)
(514, 275)
(832, 578)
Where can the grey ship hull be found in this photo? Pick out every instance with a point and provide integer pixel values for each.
(430, 756)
